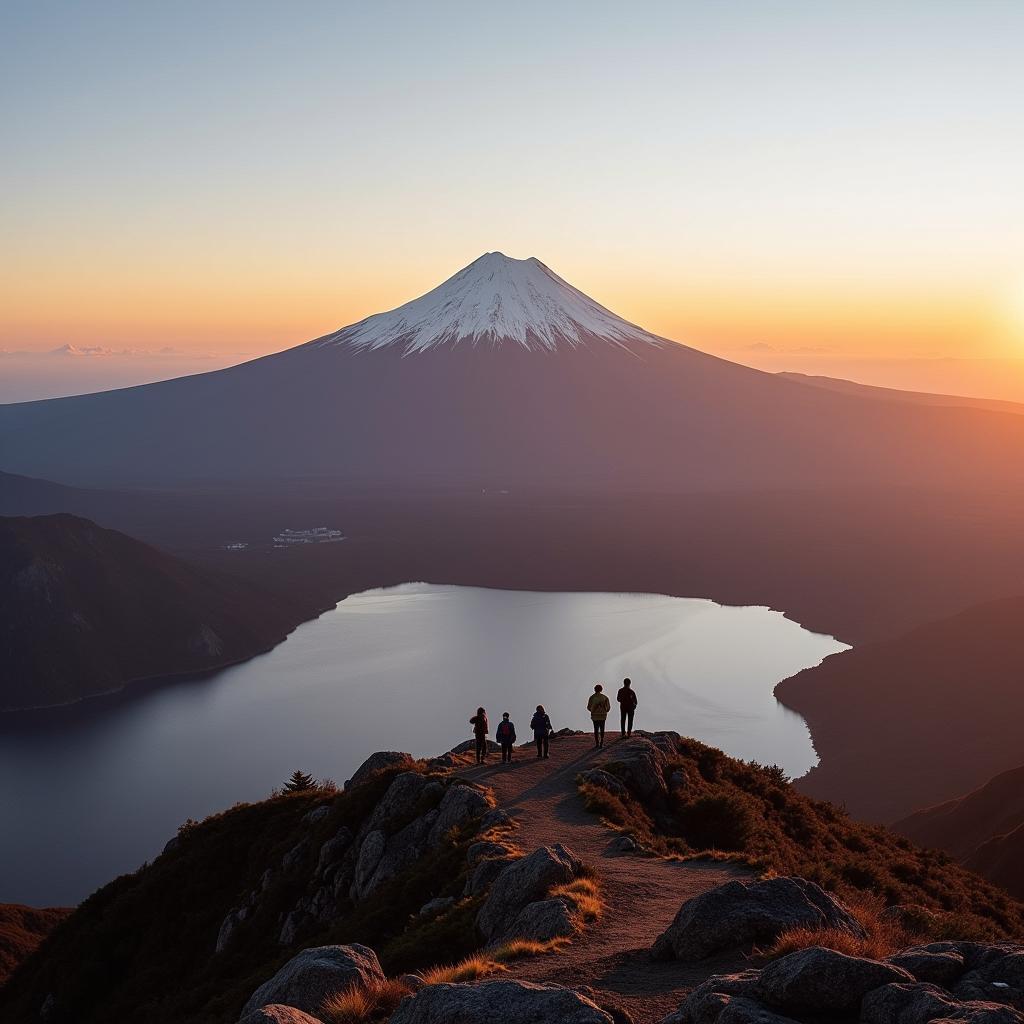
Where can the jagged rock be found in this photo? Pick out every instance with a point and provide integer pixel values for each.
(907, 1004)
(604, 780)
(706, 1001)
(666, 740)
(543, 920)
(622, 844)
(939, 968)
(497, 819)
(641, 766)
(333, 850)
(739, 914)
(370, 854)
(294, 924)
(819, 980)
(312, 975)
(316, 814)
(484, 874)
(458, 805)
(443, 762)
(275, 1013)
(513, 1002)
(525, 881)
(437, 906)
(568, 732)
(485, 850)
(401, 851)
(1000, 979)
(293, 859)
(229, 926)
(378, 762)
(172, 844)
(399, 801)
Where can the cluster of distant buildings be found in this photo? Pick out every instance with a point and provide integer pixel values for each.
(291, 538)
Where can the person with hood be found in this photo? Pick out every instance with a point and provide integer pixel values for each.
(598, 706)
(541, 726)
(627, 706)
(480, 731)
(505, 734)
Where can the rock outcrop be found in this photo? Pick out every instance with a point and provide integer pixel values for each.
(275, 1013)
(314, 974)
(380, 761)
(819, 984)
(741, 914)
(522, 882)
(511, 1002)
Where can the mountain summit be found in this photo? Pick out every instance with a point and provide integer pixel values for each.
(495, 300)
(503, 376)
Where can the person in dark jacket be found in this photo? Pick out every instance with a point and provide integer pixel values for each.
(480, 731)
(627, 706)
(541, 726)
(599, 705)
(505, 734)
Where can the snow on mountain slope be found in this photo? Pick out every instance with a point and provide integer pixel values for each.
(493, 300)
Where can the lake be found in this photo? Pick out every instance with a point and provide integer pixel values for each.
(91, 791)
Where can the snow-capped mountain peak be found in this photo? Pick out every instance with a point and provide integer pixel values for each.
(495, 300)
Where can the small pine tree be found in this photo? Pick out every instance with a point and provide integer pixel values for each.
(300, 782)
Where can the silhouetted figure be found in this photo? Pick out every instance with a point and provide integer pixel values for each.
(505, 734)
(627, 705)
(598, 706)
(480, 730)
(541, 726)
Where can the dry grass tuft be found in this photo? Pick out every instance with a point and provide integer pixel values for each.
(884, 935)
(469, 969)
(519, 949)
(584, 896)
(362, 1003)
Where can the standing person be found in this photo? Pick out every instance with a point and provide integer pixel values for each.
(598, 706)
(505, 734)
(541, 726)
(627, 705)
(480, 731)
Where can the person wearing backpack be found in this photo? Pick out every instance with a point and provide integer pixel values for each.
(541, 726)
(598, 706)
(627, 706)
(505, 734)
(480, 730)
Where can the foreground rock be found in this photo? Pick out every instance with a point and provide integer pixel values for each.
(378, 762)
(819, 980)
(275, 1013)
(522, 882)
(314, 974)
(511, 1002)
(742, 914)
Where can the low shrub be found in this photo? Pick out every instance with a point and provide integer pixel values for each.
(360, 1003)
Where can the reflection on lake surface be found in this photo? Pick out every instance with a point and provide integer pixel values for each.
(89, 792)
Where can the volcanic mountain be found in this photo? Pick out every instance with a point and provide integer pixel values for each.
(503, 375)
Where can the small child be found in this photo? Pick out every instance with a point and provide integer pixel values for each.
(506, 736)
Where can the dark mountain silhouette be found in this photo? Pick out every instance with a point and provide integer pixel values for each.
(503, 375)
(984, 829)
(86, 610)
(908, 722)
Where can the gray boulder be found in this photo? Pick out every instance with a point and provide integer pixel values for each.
(332, 852)
(295, 857)
(483, 1002)
(496, 818)
(275, 1013)
(640, 764)
(378, 762)
(704, 1004)
(622, 844)
(522, 882)
(938, 967)
(370, 854)
(401, 851)
(542, 921)
(485, 850)
(316, 815)
(469, 747)
(998, 979)
(436, 906)
(740, 914)
(399, 803)
(458, 805)
(604, 780)
(907, 1004)
(819, 980)
(483, 875)
(314, 974)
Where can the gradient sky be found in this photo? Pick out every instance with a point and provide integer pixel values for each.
(761, 179)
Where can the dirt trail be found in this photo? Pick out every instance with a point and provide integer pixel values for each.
(642, 894)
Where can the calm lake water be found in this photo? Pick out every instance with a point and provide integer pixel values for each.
(90, 792)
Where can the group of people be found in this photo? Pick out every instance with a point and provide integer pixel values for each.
(599, 707)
